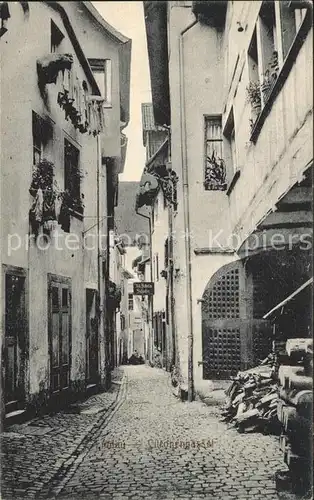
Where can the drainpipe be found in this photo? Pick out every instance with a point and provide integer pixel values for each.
(171, 264)
(151, 266)
(99, 267)
(186, 210)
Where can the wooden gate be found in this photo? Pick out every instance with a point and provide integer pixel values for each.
(233, 339)
(224, 332)
(59, 332)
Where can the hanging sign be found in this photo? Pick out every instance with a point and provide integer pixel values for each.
(143, 288)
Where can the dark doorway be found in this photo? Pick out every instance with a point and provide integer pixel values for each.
(91, 337)
(14, 355)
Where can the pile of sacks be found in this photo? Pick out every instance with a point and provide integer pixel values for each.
(252, 398)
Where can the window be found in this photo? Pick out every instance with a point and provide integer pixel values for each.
(166, 253)
(215, 172)
(254, 89)
(213, 136)
(253, 59)
(37, 142)
(268, 37)
(268, 48)
(130, 302)
(156, 267)
(42, 131)
(276, 32)
(56, 37)
(122, 322)
(4, 16)
(102, 71)
(72, 178)
(290, 20)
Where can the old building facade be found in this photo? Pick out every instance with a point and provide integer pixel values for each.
(155, 193)
(133, 230)
(67, 93)
(228, 79)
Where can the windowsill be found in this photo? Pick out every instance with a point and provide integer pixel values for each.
(233, 181)
(283, 75)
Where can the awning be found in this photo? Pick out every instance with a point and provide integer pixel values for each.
(288, 299)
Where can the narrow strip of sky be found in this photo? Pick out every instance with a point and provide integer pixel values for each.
(128, 18)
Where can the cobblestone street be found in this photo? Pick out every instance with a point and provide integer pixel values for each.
(143, 443)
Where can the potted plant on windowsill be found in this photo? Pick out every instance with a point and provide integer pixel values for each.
(44, 191)
(253, 91)
(270, 76)
(215, 174)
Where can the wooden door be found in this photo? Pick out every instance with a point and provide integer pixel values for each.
(91, 337)
(14, 355)
(59, 331)
(225, 328)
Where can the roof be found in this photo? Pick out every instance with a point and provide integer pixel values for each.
(109, 29)
(125, 59)
(128, 222)
(76, 45)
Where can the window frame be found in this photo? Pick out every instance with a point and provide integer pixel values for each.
(43, 134)
(220, 154)
(229, 136)
(104, 66)
(157, 266)
(75, 198)
(303, 23)
(130, 301)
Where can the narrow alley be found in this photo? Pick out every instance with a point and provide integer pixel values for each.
(156, 284)
(148, 444)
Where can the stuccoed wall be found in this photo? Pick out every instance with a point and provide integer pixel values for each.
(20, 95)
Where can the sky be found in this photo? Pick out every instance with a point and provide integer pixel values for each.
(128, 18)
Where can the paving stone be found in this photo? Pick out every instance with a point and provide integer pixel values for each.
(234, 466)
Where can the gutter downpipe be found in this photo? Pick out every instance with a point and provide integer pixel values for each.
(186, 210)
(171, 261)
(151, 271)
(99, 268)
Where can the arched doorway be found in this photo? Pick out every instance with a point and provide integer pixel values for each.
(232, 339)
